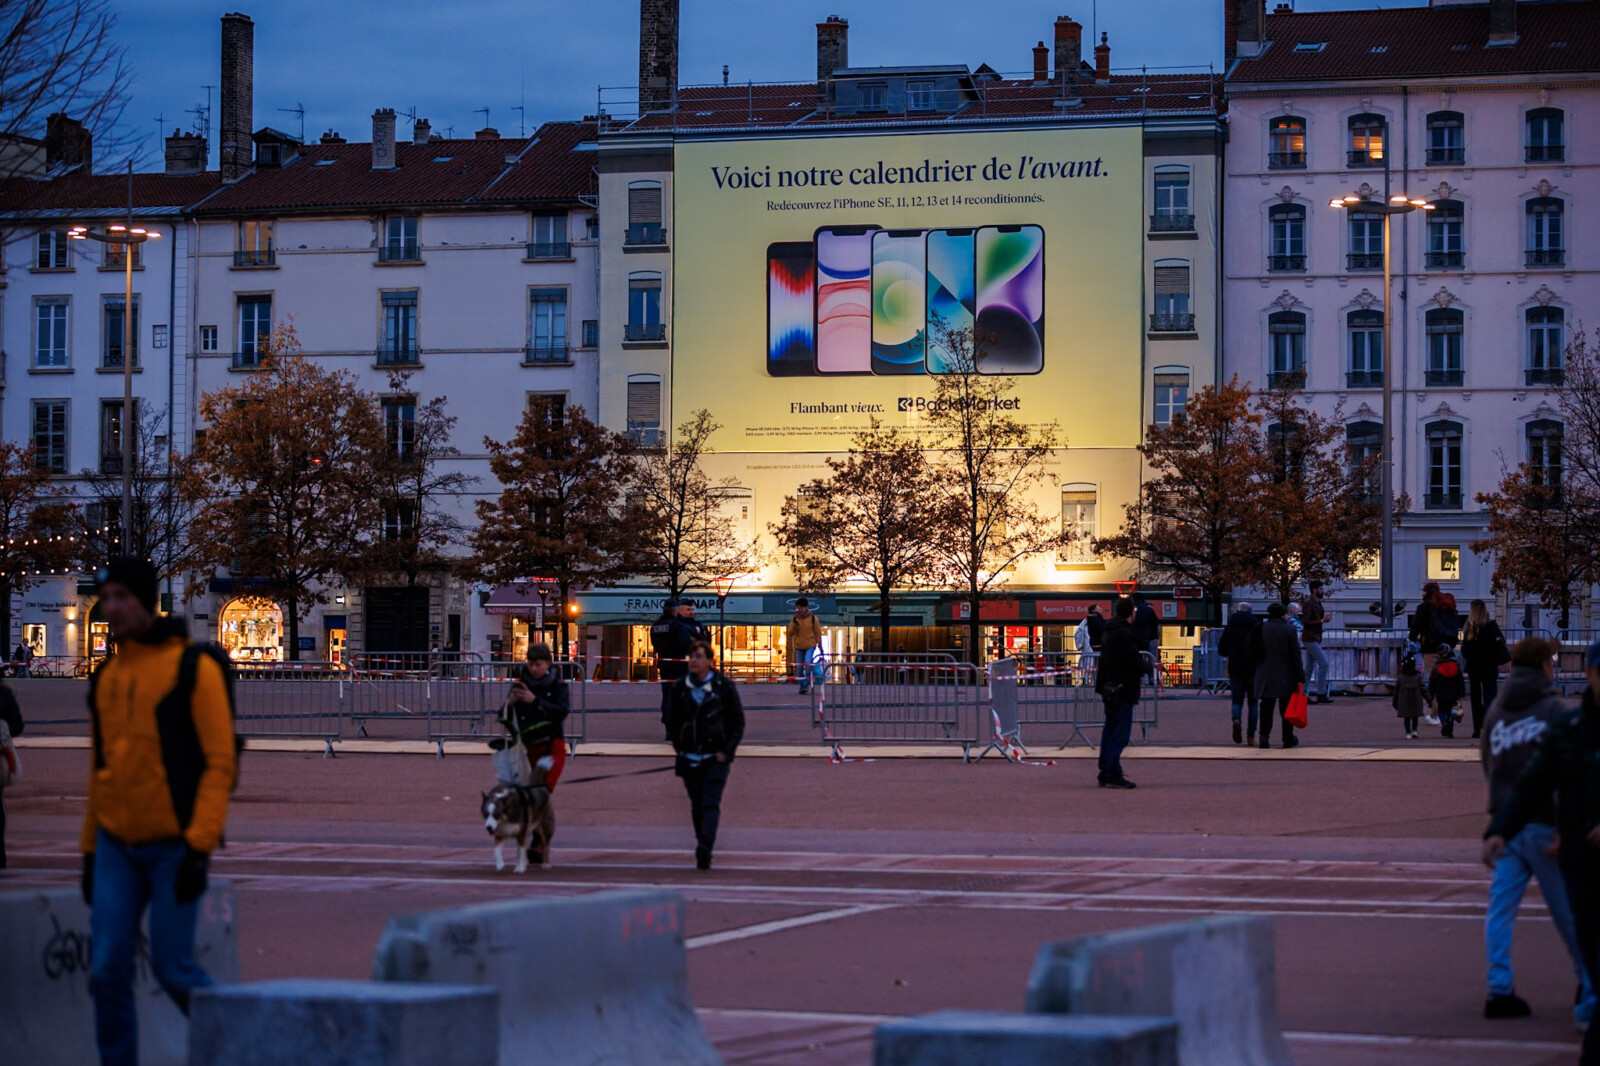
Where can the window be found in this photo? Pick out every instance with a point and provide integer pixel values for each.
(1444, 564)
(1080, 507)
(1172, 314)
(644, 309)
(1286, 443)
(1546, 346)
(158, 336)
(550, 239)
(591, 228)
(1545, 437)
(50, 250)
(1366, 349)
(111, 435)
(399, 329)
(1444, 466)
(550, 408)
(208, 338)
(50, 436)
(399, 520)
(547, 326)
(1286, 140)
(1366, 241)
(50, 333)
(1367, 133)
(1545, 245)
(1445, 138)
(872, 96)
(644, 214)
(591, 333)
(1546, 138)
(1173, 213)
(1286, 334)
(1171, 393)
(111, 309)
(644, 409)
(255, 330)
(1363, 442)
(116, 256)
(1367, 567)
(400, 424)
(1445, 327)
(1287, 223)
(400, 243)
(255, 245)
(919, 96)
(1444, 234)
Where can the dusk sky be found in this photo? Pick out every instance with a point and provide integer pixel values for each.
(341, 59)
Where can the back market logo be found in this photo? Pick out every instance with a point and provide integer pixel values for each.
(923, 405)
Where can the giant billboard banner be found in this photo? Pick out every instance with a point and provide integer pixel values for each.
(817, 281)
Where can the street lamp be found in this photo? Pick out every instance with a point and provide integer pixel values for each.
(129, 237)
(1398, 205)
(543, 586)
(723, 585)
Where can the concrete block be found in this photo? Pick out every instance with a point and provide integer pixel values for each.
(597, 979)
(1216, 976)
(304, 1022)
(988, 1038)
(46, 1014)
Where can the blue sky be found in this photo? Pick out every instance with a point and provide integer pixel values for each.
(341, 59)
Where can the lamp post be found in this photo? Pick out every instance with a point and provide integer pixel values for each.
(1398, 205)
(129, 237)
(723, 585)
(543, 586)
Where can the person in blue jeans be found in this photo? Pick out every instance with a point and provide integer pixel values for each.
(1122, 670)
(1515, 726)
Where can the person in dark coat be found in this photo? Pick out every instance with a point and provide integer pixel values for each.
(1280, 672)
(1146, 626)
(705, 722)
(1238, 646)
(11, 714)
(1447, 686)
(1097, 627)
(1122, 671)
(1483, 648)
(1410, 695)
(670, 637)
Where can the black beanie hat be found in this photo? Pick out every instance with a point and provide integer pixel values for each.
(138, 575)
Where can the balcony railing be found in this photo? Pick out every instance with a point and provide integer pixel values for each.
(645, 233)
(1364, 261)
(248, 359)
(1441, 156)
(546, 353)
(409, 252)
(1363, 379)
(1548, 257)
(111, 463)
(645, 436)
(1442, 501)
(550, 250)
(1287, 379)
(1282, 263)
(1286, 160)
(1553, 375)
(1445, 260)
(255, 257)
(1362, 158)
(1545, 153)
(644, 331)
(1171, 223)
(1171, 323)
(398, 355)
(1444, 379)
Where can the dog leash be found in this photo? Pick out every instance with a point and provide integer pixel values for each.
(608, 777)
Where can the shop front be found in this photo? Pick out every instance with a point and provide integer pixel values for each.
(251, 629)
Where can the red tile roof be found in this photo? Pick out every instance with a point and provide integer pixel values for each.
(104, 192)
(556, 167)
(1422, 42)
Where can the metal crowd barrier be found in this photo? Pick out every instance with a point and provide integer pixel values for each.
(895, 704)
(1075, 703)
(468, 707)
(1363, 661)
(289, 700)
(1210, 665)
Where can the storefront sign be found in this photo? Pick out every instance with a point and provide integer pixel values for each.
(1187, 592)
(647, 605)
(989, 611)
(1069, 610)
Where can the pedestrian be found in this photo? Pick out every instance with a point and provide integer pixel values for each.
(1313, 618)
(1238, 646)
(11, 726)
(671, 639)
(23, 666)
(1447, 686)
(705, 722)
(535, 711)
(1516, 723)
(163, 766)
(1410, 694)
(697, 630)
(1122, 671)
(805, 642)
(1097, 627)
(1280, 672)
(1566, 767)
(1435, 623)
(1146, 626)
(1484, 651)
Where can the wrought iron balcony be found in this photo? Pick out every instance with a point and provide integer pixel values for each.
(407, 252)
(1442, 501)
(1364, 261)
(1287, 379)
(645, 233)
(255, 257)
(1286, 160)
(1363, 379)
(550, 250)
(1545, 153)
(1172, 323)
(1362, 158)
(1445, 156)
(1444, 379)
(1166, 222)
(1445, 260)
(546, 353)
(1554, 375)
(248, 359)
(644, 331)
(398, 355)
(1284, 263)
(1547, 257)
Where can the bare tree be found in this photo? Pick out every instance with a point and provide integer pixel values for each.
(162, 512)
(39, 528)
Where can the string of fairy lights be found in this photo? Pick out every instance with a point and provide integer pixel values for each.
(87, 537)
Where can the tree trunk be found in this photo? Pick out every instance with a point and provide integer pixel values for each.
(975, 629)
(292, 652)
(883, 619)
(1214, 594)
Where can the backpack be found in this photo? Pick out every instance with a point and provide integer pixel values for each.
(1446, 620)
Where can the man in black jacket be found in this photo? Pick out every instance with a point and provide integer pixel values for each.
(1238, 646)
(11, 714)
(1566, 766)
(1122, 671)
(670, 636)
(705, 722)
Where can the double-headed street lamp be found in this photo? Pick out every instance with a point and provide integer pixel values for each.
(1397, 205)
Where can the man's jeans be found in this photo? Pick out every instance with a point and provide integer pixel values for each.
(805, 666)
(1317, 669)
(1244, 692)
(126, 879)
(1114, 738)
(1525, 858)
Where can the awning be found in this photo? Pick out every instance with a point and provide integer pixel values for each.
(505, 599)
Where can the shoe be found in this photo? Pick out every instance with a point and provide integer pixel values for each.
(1412, 736)
(804, 689)
(1324, 699)
(1447, 733)
(702, 858)
(1250, 739)
(1292, 742)
(1506, 1005)
(535, 857)
(1238, 733)
(1431, 719)
(1117, 782)
(1266, 742)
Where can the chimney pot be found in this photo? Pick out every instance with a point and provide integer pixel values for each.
(1069, 56)
(488, 133)
(383, 139)
(1041, 64)
(658, 54)
(1102, 61)
(421, 130)
(67, 143)
(1502, 21)
(186, 154)
(833, 53)
(238, 95)
(1244, 28)
(332, 137)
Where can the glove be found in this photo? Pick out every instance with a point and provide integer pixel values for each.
(86, 882)
(190, 882)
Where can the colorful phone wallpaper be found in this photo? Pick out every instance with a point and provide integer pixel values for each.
(952, 292)
(1010, 324)
(844, 300)
(899, 301)
(791, 281)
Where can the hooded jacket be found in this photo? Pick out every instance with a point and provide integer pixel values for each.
(1447, 684)
(539, 722)
(1521, 712)
(1566, 766)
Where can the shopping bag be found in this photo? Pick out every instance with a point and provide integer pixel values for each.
(511, 766)
(1296, 712)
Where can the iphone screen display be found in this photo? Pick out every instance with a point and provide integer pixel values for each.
(1010, 286)
(899, 301)
(791, 281)
(844, 299)
(952, 284)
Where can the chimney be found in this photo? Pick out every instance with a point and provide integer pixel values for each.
(383, 139)
(1041, 64)
(833, 53)
(332, 137)
(67, 143)
(1069, 56)
(1244, 27)
(1502, 22)
(186, 154)
(421, 130)
(488, 133)
(238, 94)
(658, 54)
(1102, 61)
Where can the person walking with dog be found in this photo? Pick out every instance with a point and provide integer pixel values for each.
(705, 723)
(1122, 671)
(535, 711)
(164, 763)
(805, 642)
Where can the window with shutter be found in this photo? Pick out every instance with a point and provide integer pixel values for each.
(644, 410)
(1080, 519)
(1172, 296)
(644, 213)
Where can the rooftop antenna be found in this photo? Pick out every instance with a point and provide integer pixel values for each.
(450, 132)
(411, 115)
(724, 73)
(485, 112)
(522, 109)
(161, 129)
(298, 109)
(202, 117)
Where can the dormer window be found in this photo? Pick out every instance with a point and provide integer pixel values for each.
(919, 96)
(872, 96)
(269, 155)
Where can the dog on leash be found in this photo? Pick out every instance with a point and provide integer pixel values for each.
(521, 814)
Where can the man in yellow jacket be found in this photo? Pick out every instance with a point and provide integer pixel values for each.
(805, 638)
(163, 766)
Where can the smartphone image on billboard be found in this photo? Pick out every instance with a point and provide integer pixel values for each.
(899, 301)
(791, 298)
(1010, 284)
(844, 299)
(952, 296)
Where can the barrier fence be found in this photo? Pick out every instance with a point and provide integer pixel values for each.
(1065, 696)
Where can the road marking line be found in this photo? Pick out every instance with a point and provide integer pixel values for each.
(782, 924)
